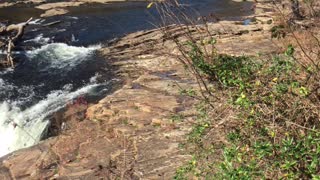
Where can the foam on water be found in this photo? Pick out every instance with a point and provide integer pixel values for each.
(21, 126)
(39, 39)
(60, 55)
(20, 129)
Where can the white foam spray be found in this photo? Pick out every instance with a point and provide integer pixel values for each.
(21, 128)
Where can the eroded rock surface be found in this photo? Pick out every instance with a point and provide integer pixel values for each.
(131, 133)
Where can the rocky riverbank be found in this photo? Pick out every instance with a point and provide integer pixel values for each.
(135, 132)
(59, 7)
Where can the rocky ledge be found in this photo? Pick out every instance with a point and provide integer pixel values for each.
(135, 132)
(58, 7)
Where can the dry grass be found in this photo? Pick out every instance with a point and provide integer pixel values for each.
(259, 118)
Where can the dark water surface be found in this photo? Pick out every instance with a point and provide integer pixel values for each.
(102, 22)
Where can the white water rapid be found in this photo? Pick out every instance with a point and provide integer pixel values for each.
(23, 126)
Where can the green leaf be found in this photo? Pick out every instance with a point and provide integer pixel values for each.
(290, 51)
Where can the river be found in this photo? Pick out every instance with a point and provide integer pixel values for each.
(62, 62)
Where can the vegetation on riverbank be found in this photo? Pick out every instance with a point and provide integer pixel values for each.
(275, 129)
(259, 116)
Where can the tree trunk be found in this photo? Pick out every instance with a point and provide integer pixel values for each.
(12, 33)
(19, 28)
